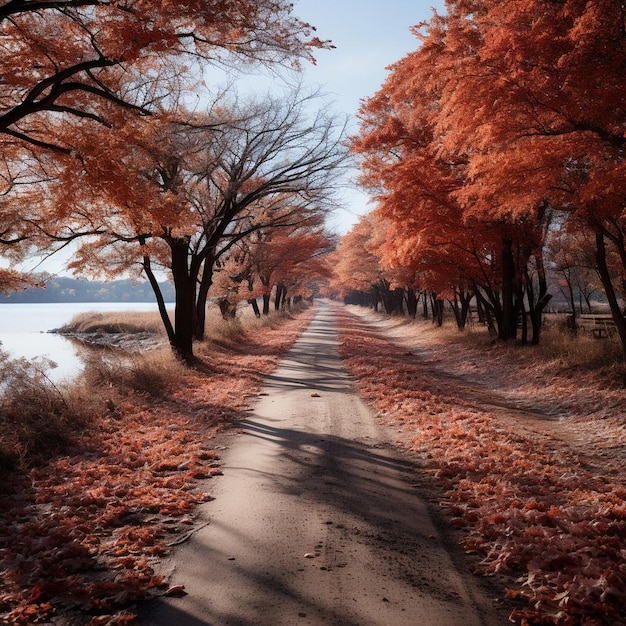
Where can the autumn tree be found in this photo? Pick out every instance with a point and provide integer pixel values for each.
(538, 95)
(358, 276)
(179, 196)
(75, 66)
(85, 58)
(426, 145)
(287, 260)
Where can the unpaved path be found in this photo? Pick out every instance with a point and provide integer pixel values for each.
(318, 520)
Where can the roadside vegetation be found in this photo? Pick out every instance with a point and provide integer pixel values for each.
(100, 476)
(525, 449)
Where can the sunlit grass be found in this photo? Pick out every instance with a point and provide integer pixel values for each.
(115, 322)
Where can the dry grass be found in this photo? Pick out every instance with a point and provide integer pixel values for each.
(560, 352)
(115, 322)
(39, 418)
(152, 372)
(219, 330)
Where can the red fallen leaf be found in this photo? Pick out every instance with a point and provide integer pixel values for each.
(157, 581)
(315, 395)
(177, 591)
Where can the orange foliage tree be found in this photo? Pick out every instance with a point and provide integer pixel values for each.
(285, 260)
(82, 66)
(419, 175)
(85, 58)
(179, 196)
(543, 108)
(358, 276)
(507, 113)
(553, 136)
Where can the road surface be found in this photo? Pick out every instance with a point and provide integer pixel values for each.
(318, 520)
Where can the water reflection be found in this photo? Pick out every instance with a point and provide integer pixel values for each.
(24, 331)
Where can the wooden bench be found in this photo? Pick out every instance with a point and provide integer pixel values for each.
(600, 325)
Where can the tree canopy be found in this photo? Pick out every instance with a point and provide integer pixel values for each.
(506, 116)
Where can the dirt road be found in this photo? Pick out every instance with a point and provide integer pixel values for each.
(318, 520)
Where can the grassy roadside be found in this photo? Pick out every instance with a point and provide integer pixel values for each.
(89, 503)
(541, 504)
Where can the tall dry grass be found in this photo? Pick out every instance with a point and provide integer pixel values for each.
(220, 330)
(38, 417)
(559, 350)
(115, 322)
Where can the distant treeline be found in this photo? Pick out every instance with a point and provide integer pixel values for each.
(64, 289)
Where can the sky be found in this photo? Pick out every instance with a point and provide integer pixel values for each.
(369, 35)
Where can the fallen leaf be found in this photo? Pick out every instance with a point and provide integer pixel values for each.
(177, 591)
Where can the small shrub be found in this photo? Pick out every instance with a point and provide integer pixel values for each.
(38, 417)
(151, 372)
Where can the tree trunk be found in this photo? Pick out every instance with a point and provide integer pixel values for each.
(537, 305)
(158, 294)
(490, 311)
(609, 290)
(460, 306)
(280, 297)
(507, 328)
(524, 319)
(411, 302)
(185, 289)
(255, 307)
(201, 302)
(266, 304)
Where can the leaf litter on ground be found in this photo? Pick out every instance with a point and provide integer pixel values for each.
(532, 473)
(80, 535)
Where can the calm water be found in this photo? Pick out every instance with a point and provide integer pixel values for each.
(24, 330)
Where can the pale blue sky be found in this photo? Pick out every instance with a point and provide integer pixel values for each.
(369, 35)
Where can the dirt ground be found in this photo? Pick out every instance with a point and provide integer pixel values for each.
(320, 519)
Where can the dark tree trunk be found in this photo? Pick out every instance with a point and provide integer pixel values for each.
(411, 302)
(437, 308)
(524, 320)
(489, 309)
(266, 304)
(158, 294)
(397, 298)
(255, 307)
(201, 302)
(537, 304)
(609, 290)
(280, 297)
(461, 306)
(507, 328)
(185, 289)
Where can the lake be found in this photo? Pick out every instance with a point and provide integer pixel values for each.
(24, 330)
